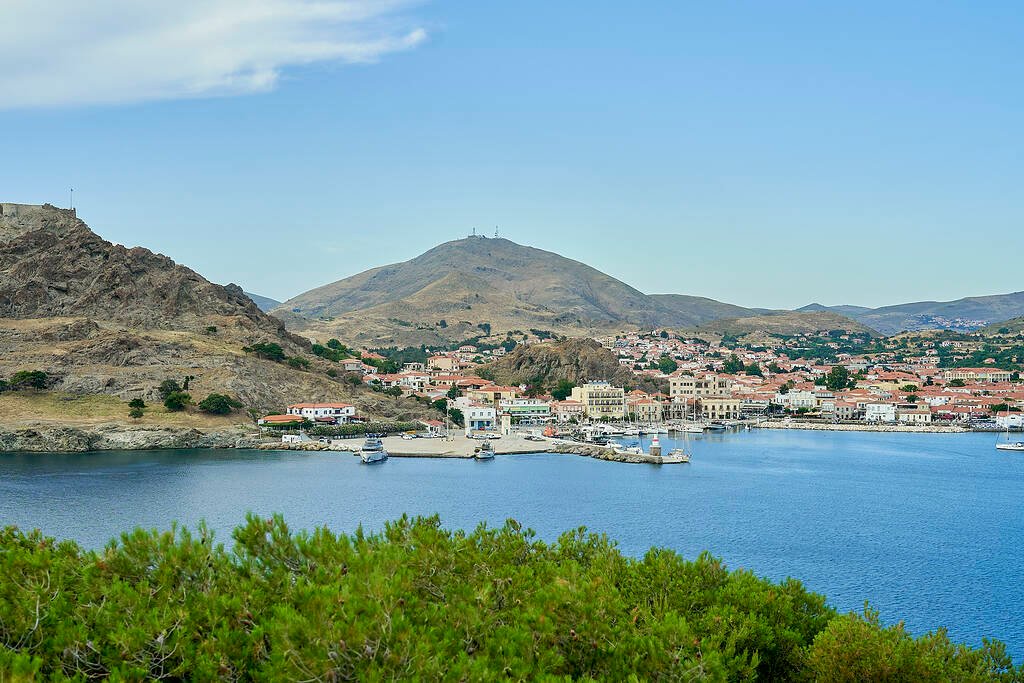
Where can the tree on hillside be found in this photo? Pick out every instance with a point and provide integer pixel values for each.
(667, 365)
(28, 379)
(219, 404)
(732, 365)
(176, 401)
(956, 382)
(453, 392)
(168, 387)
(562, 390)
(455, 415)
(753, 369)
(837, 378)
(137, 403)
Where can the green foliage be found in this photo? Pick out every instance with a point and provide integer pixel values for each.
(298, 363)
(667, 365)
(754, 369)
(4, 386)
(775, 368)
(563, 389)
(956, 382)
(137, 403)
(269, 350)
(28, 379)
(395, 391)
(440, 405)
(359, 428)
(838, 378)
(732, 365)
(453, 392)
(211, 329)
(168, 387)
(219, 404)
(177, 401)
(455, 415)
(419, 602)
(135, 412)
(485, 328)
(909, 388)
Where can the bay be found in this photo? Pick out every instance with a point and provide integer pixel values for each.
(929, 528)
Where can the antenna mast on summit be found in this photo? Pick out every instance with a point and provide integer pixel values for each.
(474, 233)
(495, 232)
(72, 197)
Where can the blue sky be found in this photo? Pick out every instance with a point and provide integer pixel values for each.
(766, 154)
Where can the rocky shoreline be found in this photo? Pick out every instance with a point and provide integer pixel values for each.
(114, 436)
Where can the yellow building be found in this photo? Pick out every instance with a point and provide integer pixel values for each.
(688, 387)
(601, 399)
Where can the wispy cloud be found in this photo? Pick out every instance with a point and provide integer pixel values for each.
(70, 52)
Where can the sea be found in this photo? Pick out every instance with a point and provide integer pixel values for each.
(925, 528)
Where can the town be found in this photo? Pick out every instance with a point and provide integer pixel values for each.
(924, 379)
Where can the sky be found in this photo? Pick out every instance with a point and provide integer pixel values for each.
(761, 153)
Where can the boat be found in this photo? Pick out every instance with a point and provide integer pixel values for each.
(714, 427)
(484, 451)
(373, 450)
(1010, 445)
(692, 429)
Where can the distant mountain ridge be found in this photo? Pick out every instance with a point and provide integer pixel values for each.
(265, 303)
(966, 314)
(455, 289)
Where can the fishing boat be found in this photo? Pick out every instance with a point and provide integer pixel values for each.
(484, 451)
(373, 450)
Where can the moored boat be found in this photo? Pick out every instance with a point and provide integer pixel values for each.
(373, 450)
(1011, 446)
(484, 451)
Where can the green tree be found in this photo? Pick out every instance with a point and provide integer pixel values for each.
(137, 403)
(168, 387)
(455, 415)
(563, 389)
(667, 365)
(956, 382)
(754, 369)
(28, 379)
(269, 350)
(732, 365)
(395, 391)
(177, 401)
(453, 392)
(135, 412)
(775, 368)
(908, 388)
(837, 378)
(219, 404)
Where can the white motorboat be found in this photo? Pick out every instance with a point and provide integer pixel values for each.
(373, 450)
(484, 451)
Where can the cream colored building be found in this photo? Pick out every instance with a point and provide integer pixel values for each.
(720, 407)
(644, 410)
(685, 387)
(601, 399)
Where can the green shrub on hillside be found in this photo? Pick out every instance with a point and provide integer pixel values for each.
(419, 602)
(219, 404)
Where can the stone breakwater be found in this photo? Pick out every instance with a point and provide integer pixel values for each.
(826, 427)
(115, 436)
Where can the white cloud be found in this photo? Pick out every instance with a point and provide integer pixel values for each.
(71, 52)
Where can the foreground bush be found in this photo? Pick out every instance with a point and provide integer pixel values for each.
(420, 602)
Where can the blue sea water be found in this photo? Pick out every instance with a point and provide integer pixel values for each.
(928, 528)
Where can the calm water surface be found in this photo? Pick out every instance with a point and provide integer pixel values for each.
(927, 527)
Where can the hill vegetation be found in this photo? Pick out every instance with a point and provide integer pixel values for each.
(420, 602)
(546, 366)
(101, 318)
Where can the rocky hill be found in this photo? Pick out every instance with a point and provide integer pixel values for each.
(477, 280)
(788, 322)
(966, 314)
(101, 318)
(265, 303)
(575, 360)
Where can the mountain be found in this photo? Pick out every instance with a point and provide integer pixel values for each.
(969, 313)
(785, 322)
(102, 319)
(265, 303)
(451, 291)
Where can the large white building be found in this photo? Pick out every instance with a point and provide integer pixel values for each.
(880, 412)
(338, 413)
